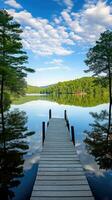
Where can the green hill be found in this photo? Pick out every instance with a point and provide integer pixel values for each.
(32, 89)
(85, 85)
(82, 86)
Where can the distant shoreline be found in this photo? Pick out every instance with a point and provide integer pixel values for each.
(35, 94)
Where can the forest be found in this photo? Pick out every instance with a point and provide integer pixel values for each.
(81, 86)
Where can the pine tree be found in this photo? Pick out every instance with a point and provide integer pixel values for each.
(12, 58)
(99, 61)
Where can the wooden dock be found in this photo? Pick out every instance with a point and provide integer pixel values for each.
(60, 174)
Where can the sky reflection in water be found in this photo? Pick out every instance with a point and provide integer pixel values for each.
(37, 111)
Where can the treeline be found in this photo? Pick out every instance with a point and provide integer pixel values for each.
(85, 85)
(83, 101)
(66, 99)
(33, 89)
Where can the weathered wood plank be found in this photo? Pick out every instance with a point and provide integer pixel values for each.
(66, 173)
(60, 165)
(65, 178)
(62, 198)
(71, 182)
(62, 188)
(58, 156)
(38, 193)
(58, 159)
(63, 169)
(60, 174)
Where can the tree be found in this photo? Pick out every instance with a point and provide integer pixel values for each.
(13, 147)
(98, 142)
(99, 61)
(12, 58)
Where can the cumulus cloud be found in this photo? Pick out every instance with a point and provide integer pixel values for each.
(13, 3)
(57, 20)
(74, 24)
(68, 3)
(41, 37)
(87, 25)
(59, 37)
(75, 37)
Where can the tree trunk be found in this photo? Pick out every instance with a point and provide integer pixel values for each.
(2, 107)
(110, 102)
(2, 93)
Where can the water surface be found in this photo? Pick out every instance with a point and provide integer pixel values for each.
(79, 116)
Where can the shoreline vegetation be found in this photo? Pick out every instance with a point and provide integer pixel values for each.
(83, 101)
(80, 92)
(80, 87)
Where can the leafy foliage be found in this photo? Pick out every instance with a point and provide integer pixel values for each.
(98, 141)
(33, 89)
(66, 99)
(12, 57)
(13, 147)
(85, 85)
(99, 60)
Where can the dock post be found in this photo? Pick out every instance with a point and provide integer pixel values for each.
(47, 124)
(65, 115)
(73, 136)
(68, 125)
(50, 114)
(43, 132)
(66, 119)
(59, 165)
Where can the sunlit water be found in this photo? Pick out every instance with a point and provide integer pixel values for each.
(37, 111)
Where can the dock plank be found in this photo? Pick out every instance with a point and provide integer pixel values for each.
(71, 182)
(63, 169)
(62, 198)
(60, 174)
(61, 188)
(65, 178)
(70, 193)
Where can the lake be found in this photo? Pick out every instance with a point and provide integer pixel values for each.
(78, 110)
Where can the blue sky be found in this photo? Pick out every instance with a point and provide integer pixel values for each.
(58, 33)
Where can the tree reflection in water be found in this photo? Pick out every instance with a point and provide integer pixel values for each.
(99, 140)
(13, 147)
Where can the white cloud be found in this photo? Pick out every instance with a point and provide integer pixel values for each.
(13, 3)
(56, 38)
(87, 25)
(68, 3)
(43, 69)
(99, 14)
(41, 37)
(57, 61)
(57, 20)
(74, 24)
(66, 17)
(75, 37)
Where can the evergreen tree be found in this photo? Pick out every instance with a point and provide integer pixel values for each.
(99, 61)
(98, 142)
(12, 58)
(13, 147)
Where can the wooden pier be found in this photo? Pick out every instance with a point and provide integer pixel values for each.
(60, 174)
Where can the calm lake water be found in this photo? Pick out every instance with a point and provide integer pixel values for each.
(36, 108)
